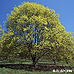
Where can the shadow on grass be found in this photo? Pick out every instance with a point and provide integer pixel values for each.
(40, 67)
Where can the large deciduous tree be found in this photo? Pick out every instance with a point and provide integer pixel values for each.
(37, 31)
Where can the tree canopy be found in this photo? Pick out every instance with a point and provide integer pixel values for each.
(35, 31)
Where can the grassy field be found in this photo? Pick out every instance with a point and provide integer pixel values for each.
(12, 71)
(15, 71)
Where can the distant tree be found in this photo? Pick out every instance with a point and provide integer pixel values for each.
(34, 31)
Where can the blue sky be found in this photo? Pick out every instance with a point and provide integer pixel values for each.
(65, 8)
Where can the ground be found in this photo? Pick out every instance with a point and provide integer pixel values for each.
(28, 68)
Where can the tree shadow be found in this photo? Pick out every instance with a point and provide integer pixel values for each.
(28, 67)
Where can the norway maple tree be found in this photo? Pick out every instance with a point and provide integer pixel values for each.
(35, 31)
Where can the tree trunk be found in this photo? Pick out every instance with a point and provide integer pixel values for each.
(54, 61)
(66, 61)
(35, 63)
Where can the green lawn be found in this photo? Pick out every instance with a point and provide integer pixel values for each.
(15, 71)
(41, 63)
(12, 71)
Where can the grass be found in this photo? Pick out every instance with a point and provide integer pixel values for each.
(15, 71)
(12, 71)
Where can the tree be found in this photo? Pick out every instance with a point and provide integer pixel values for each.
(1, 35)
(30, 26)
(62, 45)
(1, 32)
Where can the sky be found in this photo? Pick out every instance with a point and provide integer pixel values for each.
(65, 9)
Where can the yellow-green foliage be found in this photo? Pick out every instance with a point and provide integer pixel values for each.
(39, 32)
